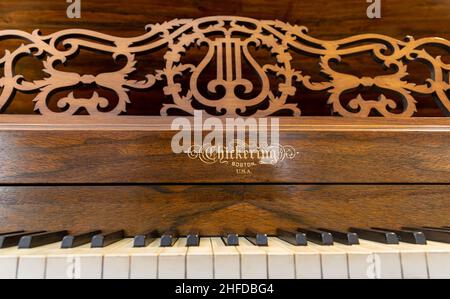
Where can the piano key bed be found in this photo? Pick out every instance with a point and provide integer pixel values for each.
(370, 255)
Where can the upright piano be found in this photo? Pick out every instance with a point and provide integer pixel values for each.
(100, 182)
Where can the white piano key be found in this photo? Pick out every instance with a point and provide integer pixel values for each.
(88, 266)
(8, 267)
(144, 261)
(413, 261)
(333, 260)
(172, 261)
(387, 259)
(116, 263)
(438, 259)
(31, 267)
(253, 260)
(8, 262)
(307, 260)
(32, 262)
(280, 261)
(199, 260)
(360, 261)
(226, 260)
(61, 265)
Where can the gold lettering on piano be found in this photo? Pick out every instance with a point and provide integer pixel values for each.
(240, 143)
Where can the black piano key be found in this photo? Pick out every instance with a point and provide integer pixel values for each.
(41, 239)
(257, 238)
(438, 235)
(317, 236)
(14, 239)
(407, 236)
(144, 239)
(385, 237)
(230, 239)
(192, 239)
(169, 238)
(72, 241)
(293, 237)
(12, 232)
(103, 240)
(346, 238)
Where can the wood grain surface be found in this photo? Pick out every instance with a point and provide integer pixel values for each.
(211, 208)
(328, 156)
(327, 18)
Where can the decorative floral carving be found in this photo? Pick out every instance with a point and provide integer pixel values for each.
(228, 40)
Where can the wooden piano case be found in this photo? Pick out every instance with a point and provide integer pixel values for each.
(79, 163)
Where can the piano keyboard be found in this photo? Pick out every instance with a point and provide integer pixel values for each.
(374, 253)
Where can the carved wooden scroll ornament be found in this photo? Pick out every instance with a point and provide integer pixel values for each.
(228, 40)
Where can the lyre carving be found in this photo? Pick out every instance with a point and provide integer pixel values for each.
(227, 40)
(229, 75)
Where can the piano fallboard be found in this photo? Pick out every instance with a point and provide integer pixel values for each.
(82, 175)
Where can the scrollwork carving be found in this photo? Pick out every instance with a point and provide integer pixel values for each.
(228, 40)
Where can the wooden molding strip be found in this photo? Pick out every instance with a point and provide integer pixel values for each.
(156, 123)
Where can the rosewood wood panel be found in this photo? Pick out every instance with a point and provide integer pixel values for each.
(210, 208)
(336, 18)
(341, 156)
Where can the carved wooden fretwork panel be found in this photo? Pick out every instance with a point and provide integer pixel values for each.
(227, 40)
